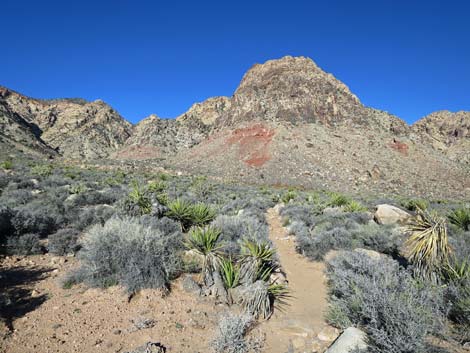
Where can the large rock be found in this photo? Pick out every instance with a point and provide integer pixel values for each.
(351, 338)
(388, 214)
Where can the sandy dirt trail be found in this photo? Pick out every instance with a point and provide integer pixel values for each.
(300, 324)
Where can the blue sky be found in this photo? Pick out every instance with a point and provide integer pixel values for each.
(406, 57)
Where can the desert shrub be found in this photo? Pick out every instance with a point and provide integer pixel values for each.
(165, 225)
(86, 217)
(6, 164)
(288, 196)
(25, 244)
(461, 218)
(6, 226)
(93, 197)
(54, 180)
(231, 333)
(376, 294)
(27, 222)
(415, 204)
(77, 188)
(64, 241)
(125, 251)
(344, 231)
(300, 213)
(16, 197)
(428, 247)
(458, 295)
(235, 228)
(42, 170)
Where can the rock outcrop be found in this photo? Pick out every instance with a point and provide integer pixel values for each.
(74, 128)
(447, 132)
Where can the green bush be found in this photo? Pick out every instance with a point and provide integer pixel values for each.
(461, 218)
(415, 204)
(42, 170)
(7, 164)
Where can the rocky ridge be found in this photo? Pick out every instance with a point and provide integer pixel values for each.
(74, 128)
(288, 122)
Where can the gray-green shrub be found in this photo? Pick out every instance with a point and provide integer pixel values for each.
(376, 294)
(125, 251)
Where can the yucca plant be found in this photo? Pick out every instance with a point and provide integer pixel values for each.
(181, 211)
(278, 294)
(428, 248)
(461, 218)
(138, 197)
(201, 214)
(156, 186)
(205, 242)
(459, 270)
(260, 298)
(354, 206)
(257, 261)
(338, 200)
(415, 204)
(230, 272)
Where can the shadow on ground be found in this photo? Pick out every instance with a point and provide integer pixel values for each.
(16, 286)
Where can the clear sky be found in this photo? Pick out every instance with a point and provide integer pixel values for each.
(406, 57)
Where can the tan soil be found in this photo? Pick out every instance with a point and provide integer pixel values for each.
(85, 320)
(300, 324)
(94, 320)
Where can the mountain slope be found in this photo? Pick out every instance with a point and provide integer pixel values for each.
(74, 127)
(291, 123)
(447, 132)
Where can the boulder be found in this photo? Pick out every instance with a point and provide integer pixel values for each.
(388, 214)
(351, 338)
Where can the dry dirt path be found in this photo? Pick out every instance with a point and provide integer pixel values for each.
(300, 326)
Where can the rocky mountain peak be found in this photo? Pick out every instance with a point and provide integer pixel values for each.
(296, 90)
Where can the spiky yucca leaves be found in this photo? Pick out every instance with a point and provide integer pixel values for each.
(458, 271)
(137, 202)
(257, 261)
(230, 272)
(354, 206)
(338, 200)
(415, 204)
(205, 242)
(202, 214)
(428, 248)
(260, 298)
(180, 210)
(461, 218)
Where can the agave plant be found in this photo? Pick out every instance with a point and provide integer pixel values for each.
(205, 242)
(428, 248)
(461, 218)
